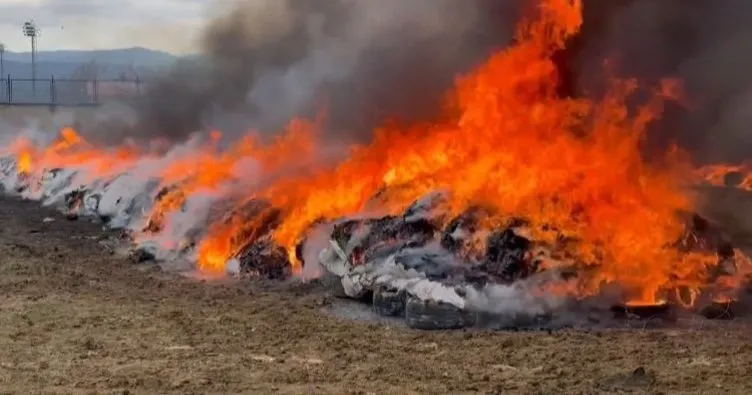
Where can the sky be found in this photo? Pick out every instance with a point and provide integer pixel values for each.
(168, 25)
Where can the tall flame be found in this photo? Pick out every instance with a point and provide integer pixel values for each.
(571, 167)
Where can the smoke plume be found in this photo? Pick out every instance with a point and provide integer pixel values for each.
(266, 61)
(705, 44)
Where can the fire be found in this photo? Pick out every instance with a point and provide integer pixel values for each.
(717, 175)
(645, 303)
(727, 285)
(211, 169)
(24, 162)
(571, 168)
(71, 150)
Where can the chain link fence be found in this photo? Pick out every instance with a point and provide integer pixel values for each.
(66, 92)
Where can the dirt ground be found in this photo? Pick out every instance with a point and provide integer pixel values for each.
(76, 319)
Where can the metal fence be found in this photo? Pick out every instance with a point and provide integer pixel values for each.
(65, 92)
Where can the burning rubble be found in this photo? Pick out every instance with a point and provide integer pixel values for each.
(437, 270)
(520, 209)
(738, 176)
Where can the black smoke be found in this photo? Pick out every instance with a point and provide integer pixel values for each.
(707, 45)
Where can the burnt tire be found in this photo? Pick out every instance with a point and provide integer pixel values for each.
(389, 302)
(431, 315)
(332, 283)
(719, 311)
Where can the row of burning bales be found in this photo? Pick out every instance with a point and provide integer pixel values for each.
(434, 271)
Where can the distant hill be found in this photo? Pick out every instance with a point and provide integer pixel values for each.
(112, 62)
(137, 56)
(63, 70)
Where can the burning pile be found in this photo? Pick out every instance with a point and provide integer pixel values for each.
(514, 206)
(739, 176)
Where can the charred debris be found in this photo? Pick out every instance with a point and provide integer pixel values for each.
(466, 252)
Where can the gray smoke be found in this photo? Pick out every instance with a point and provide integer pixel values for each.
(364, 62)
(706, 44)
(361, 62)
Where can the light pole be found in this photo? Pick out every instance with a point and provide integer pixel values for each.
(30, 30)
(2, 61)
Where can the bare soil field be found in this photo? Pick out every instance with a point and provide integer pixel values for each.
(77, 318)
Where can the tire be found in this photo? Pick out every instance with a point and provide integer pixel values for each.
(389, 302)
(142, 255)
(430, 315)
(719, 311)
(332, 284)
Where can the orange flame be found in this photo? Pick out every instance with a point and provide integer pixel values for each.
(716, 175)
(572, 167)
(24, 162)
(508, 142)
(71, 150)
